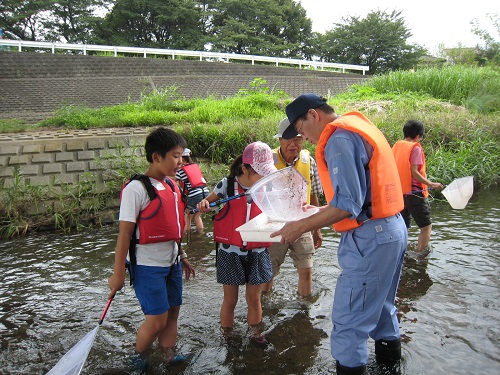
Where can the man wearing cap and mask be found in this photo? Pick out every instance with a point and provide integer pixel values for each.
(290, 153)
(363, 193)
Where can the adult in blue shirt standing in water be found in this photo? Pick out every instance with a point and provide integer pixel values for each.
(361, 184)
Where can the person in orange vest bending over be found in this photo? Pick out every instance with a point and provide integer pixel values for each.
(410, 160)
(361, 184)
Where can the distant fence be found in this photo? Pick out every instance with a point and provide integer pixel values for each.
(173, 53)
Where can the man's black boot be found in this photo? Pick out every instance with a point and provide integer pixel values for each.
(344, 370)
(388, 350)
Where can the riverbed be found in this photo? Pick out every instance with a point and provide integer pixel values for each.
(54, 288)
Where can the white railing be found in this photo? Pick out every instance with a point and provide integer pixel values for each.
(227, 57)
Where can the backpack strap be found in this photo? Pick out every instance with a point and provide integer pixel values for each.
(133, 240)
(147, 184)
(230, 182)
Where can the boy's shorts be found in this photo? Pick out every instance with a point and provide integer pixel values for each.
(418, 207)
(253, 268)
(158, 288)
(301, 251)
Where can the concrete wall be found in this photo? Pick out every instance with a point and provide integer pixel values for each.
(33, 85)
(53, 158)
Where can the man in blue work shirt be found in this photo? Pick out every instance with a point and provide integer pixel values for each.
(361, 184)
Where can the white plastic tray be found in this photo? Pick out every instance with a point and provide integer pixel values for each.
(259, 229)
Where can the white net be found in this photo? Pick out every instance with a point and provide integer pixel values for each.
(281, 194)
(459, 192)
(72, 362)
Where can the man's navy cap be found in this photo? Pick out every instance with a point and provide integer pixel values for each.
(298, 107)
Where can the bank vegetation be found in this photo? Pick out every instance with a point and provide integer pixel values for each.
(459, 106)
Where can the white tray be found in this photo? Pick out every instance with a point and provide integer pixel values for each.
(259, 229)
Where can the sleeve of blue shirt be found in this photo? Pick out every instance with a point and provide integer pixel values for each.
(346, 158)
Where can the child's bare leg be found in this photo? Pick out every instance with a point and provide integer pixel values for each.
(228, 306)
(149, 331)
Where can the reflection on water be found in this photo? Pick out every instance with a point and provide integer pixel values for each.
(54, 287)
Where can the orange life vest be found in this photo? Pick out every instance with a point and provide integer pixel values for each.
(233, 215)
(402, 152)
(387, 197)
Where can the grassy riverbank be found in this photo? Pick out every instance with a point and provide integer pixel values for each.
(459, 106)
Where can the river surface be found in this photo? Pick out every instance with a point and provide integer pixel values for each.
(54, 289)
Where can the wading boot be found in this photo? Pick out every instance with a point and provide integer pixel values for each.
(344, 370)
(388, 350)
(388, 355)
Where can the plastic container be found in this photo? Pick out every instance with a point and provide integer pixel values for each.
(281, 194)
(259, 229)
(459, 192)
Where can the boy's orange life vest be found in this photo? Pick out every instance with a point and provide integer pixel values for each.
(163, 219)
(194, 175)
(233, 215)
(387, 197)
(402, 152)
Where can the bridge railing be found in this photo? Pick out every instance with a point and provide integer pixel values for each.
(202, 55)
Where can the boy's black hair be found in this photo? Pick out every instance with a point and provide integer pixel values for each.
(412, 128)
(161, 141)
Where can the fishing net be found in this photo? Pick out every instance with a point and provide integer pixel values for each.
(72, 362)
(281, 194)
(459, 191)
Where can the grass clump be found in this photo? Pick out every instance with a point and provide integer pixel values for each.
(462, 138)
(475, 88)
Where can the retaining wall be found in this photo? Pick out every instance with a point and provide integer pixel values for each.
(54, 158)
(34, 85)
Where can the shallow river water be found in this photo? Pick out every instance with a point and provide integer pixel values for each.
(54, 288)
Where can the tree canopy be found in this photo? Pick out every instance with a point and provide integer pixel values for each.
(153, 23)
(261, 27)
(265, 27)
(379, 41)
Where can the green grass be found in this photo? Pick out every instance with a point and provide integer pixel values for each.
(459, 107)
(476, 88)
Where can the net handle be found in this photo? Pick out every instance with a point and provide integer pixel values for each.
(106, 308)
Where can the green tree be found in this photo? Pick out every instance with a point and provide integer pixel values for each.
(263, 27)
(153, 23)
(73, 21)
(379, 41)
(23, 19)
(490, 53)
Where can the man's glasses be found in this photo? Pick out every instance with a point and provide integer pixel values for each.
(296, 140)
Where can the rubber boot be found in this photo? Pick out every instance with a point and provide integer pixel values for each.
(344, 370)
(388, 350)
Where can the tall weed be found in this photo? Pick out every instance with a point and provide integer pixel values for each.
(476, 88)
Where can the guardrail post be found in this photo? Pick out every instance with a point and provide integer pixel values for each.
(53, 48)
